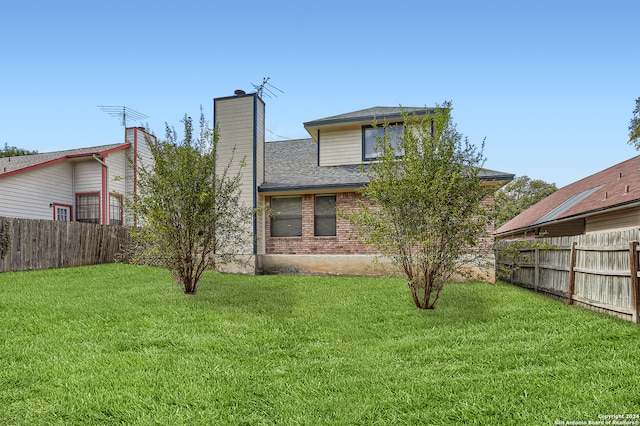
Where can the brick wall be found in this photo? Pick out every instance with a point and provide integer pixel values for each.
(343, 243)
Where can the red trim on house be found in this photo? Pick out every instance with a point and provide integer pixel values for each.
(100, 153)
(135, 161)
(89, 192)
(35, 166)
(117, 195)
(65, 157)
(105, 195)
(55, 205)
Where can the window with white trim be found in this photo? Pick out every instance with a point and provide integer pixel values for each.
(286, 216)
(88, 207)
(62, 213)
(325, 216)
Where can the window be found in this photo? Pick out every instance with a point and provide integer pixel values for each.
(115, 209)
(286, 216)
(61, 212)
(88, 207)
(371, 135)
(325, 216)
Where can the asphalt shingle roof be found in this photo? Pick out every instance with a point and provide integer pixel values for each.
(368, 114)
(293, 165)
(14, 164)
(615, 186)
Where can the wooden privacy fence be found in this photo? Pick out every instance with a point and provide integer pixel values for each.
(598, 271)
(41, 244)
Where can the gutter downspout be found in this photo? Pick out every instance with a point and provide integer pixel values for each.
(105, 189)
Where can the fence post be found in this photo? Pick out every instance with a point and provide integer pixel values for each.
(633, 263)
(536, 268)
(572, 274)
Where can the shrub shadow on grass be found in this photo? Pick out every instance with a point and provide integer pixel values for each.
(237, 292)
(465, 303)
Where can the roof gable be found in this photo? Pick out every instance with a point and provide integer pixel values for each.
(369, 114)
(14, 165)
(363, 117)
(615, 186)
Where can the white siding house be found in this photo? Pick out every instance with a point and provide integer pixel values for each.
(87, 184)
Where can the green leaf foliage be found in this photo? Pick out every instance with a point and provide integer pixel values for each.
(518, 195)
(428, 208)
(634, 126)
(189, 207)
(12, 151)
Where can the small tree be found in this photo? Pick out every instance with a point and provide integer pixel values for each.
(12, 151)
(427, 207)
(190, 212)
(518, 195)
(634, 126)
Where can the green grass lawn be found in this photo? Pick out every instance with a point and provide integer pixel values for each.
(118, 344)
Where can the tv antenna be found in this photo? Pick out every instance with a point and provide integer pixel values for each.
(263, 89)
(123, 113)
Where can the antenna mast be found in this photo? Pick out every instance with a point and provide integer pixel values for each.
(263, 89)
(123, 113)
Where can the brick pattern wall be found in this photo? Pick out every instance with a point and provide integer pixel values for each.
(344, 242)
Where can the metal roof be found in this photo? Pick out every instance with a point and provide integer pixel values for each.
(565, 206)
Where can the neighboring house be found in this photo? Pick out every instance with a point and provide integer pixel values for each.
(603, 202)
(84, 185)
(301, 183)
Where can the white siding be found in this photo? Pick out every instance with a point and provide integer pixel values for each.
(141, 153)
(340, 147)
(117, 162)
(87, 176)
(29, 194)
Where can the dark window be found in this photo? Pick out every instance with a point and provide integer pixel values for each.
(325, 216)
(286, 216)
(372, 135)
(88, 208)
(115, 209)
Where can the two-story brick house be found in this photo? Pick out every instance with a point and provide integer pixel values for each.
(301, 183)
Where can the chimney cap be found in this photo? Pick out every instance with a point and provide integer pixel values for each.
(239, 92)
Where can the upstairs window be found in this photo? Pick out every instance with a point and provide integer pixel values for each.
(371, 135)
(286, 216)
(115, 209)
(88, 207)
(325, 216)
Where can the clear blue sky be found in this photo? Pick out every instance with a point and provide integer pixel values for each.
(551, 85)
